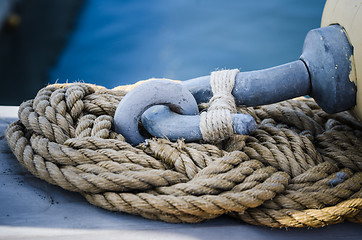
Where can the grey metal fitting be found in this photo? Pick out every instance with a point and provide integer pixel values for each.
(322, 72)
(327, 55)
(146, 95)
(161, 122)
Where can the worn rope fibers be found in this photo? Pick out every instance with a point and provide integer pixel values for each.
(301, 167)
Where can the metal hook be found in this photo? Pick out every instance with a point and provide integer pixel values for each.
(322, 72)
(175, 115)
(146, 95)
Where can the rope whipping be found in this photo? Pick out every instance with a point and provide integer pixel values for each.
(216, 123)
(300, 168)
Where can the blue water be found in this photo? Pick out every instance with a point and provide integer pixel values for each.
(118, 42)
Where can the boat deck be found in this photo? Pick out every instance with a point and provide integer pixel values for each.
(33, 209)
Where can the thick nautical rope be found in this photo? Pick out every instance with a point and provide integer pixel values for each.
(216, 124)
(300, 168)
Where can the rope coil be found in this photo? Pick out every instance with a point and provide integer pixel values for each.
(300, 168)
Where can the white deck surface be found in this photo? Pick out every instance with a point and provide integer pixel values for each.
(33, 209)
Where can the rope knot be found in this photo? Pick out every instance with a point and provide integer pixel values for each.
(217, 124)
(222, 100)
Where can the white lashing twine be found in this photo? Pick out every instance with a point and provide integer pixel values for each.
(216, 124)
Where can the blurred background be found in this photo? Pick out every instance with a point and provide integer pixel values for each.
(116, 42)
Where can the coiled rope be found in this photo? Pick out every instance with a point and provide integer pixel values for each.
(300, 168)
